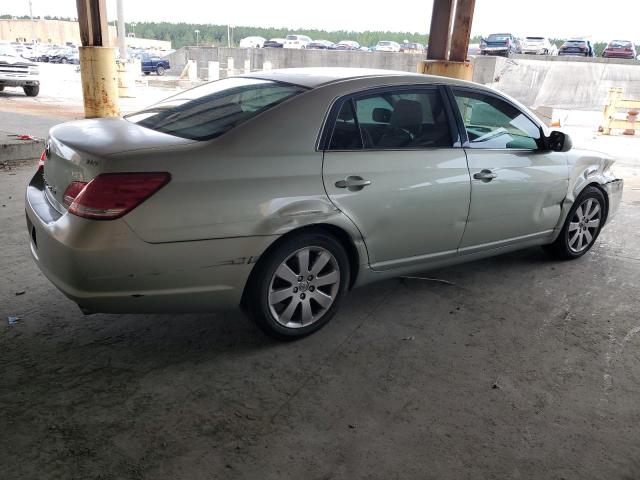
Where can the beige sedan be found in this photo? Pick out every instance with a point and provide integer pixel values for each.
(279, 191)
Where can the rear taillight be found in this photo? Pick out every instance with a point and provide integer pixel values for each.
(43, 158)
(112, 195)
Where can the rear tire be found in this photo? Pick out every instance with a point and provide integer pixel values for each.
(298, 285)
(31, 90)
(1, 88)
(581, 227)
(160, 70)
(147, 73)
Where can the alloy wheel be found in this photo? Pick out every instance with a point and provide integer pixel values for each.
(584, 225)
(303, 287)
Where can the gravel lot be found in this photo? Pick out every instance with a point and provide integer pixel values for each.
(518, 367)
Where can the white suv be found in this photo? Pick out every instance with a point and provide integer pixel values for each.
(538, 46)
(387, 46)
(17, 71)
(296, 41)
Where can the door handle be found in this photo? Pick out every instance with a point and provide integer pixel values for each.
(353, 183)
(485, 175)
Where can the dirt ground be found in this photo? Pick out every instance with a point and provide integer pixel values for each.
(518, 367)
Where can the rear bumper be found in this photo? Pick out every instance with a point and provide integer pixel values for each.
(627, 56)
(105, 267)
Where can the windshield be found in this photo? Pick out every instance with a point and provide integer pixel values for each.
(620, 44)
(212, 109)
(384, 44)
(292, 37)
(498, 37)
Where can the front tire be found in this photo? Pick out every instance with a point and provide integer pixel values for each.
(31, 90)
(582, 226)
(297, 287)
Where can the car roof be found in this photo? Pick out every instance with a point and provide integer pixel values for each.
(317, 76)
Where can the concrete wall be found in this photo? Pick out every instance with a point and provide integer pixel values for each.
(59, 32)
(566, 83)
(289, 58)
(580, 84)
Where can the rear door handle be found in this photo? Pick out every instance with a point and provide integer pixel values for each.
(485, 175)
(353, 183)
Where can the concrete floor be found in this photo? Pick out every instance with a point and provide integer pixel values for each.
(520, 368)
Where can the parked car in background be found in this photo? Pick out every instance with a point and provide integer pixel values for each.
(66, 55)
(381, 188)
(347, 45)
(296, 41)
(252, 42)
(538, 46)
(50, 52)
(412, 47)
(499, 44)
(387, 46)
(576, 48)
(620, 49)
(17, 71)
(274, 43)
(321, 45)
(152, 63)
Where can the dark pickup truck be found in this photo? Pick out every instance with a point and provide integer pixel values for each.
(151, 63)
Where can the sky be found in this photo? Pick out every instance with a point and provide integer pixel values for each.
(553, 18)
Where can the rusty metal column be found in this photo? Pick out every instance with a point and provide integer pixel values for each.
(440, 32)
(447, 52)
(97, 61)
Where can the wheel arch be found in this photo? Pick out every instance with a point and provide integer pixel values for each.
(340, 234)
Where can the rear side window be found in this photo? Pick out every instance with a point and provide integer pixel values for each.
(393, 121)
(210, 110)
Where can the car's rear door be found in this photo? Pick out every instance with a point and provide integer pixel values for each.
(392, 165)
(517, 189)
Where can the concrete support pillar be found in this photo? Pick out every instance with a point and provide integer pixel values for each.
(97, 61)
(214, 71)
(99, 82)
(230, 67)
(267, 65)
(247, 66)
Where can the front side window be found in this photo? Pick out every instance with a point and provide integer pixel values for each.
(392, 121)
(210, 110)
(493, 123)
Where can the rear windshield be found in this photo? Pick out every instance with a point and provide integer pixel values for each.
(620, 44)
(292, 37)
(576, 43)
(384, 43)
(535, 39)
(210, 110)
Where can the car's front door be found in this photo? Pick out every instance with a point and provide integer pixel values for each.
(517, 189)
(390, 165)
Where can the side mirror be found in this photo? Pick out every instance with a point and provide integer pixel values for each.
(559, 142)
